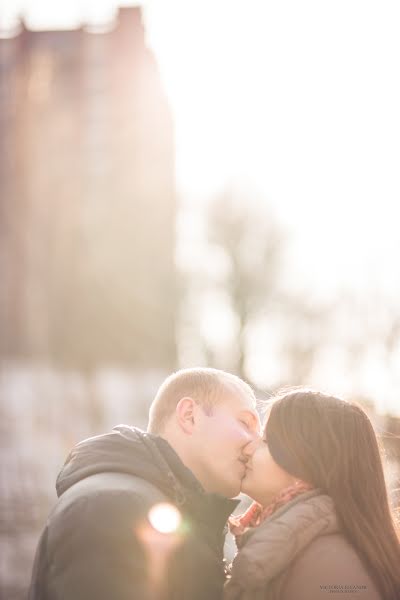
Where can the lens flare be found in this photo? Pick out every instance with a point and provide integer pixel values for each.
(165, 518)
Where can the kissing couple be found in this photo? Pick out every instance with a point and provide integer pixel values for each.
(142, 515)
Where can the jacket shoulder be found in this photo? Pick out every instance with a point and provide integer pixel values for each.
(111, 495)
(328, 561)
(108, 484)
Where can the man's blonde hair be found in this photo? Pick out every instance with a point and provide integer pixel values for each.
(204, 385)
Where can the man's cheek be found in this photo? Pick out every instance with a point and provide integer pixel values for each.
(231, 430)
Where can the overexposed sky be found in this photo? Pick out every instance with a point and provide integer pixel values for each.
(298, 99)
(58, 14)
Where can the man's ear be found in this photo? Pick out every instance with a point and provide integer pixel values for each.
(185, 414)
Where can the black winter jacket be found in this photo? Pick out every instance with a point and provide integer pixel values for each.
(98, 543)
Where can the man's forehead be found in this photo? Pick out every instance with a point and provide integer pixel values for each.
(241, 402)
(238, 395)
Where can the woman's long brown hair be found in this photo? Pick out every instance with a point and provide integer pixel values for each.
(331, 444)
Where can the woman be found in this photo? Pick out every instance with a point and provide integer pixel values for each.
(321, 522)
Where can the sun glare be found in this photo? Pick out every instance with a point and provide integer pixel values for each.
(165, 518)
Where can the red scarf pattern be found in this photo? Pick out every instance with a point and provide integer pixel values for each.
(256, 514)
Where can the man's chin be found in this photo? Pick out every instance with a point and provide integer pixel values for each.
(234, 491)
(229, 490)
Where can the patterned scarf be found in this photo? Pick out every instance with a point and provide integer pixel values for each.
(256, 514)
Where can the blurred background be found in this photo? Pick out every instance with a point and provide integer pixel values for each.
(187, 182)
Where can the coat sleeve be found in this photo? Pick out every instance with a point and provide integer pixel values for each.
(94, 550)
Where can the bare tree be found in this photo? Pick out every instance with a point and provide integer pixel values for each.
(253, 244)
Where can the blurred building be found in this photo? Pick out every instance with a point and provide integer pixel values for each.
(87, 199)
(87, 278)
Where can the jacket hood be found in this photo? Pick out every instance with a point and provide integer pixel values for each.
(124, 450)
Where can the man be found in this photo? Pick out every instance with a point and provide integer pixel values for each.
(141, 515)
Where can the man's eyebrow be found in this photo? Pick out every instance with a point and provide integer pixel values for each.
(247, 412)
